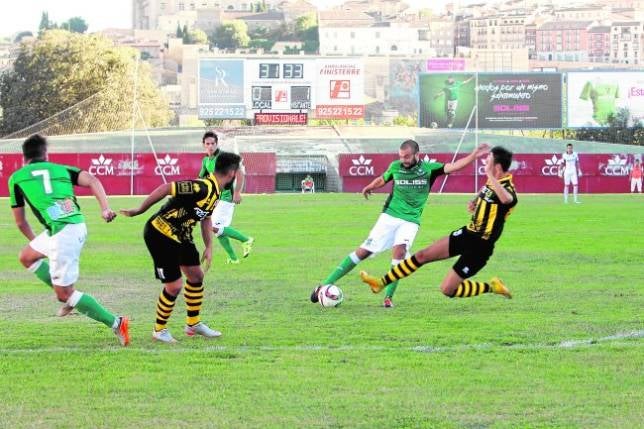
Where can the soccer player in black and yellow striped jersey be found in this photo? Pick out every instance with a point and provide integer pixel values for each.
(474, 243)
(168, 237)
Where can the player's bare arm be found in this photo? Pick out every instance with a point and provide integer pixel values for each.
(481, 150)
(206, 258)
(504, 196)
(157, 195)
(87, 180)
(378, 182)
(22, 223)
(240, 178)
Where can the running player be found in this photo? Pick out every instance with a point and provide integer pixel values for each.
(230, 196)
(474, 243)
(168, 237)
(48, 188)
(399, 221)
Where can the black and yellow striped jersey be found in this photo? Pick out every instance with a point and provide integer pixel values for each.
(489, 214)
(192, 201)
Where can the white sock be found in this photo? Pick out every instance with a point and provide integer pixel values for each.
(73, 300)
(354, 258)
(574, 191)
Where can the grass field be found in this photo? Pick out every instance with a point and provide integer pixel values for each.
(567, 352)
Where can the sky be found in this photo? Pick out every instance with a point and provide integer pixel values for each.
(23, 15)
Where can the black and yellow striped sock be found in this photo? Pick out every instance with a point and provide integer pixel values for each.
(193, 294)
(469, 288)
(165, 304)
(402, 270)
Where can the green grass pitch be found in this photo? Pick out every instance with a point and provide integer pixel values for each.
(566, 352)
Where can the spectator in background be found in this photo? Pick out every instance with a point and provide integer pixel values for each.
(308, 185)
(636, 176)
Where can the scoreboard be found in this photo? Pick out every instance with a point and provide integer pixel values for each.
(280, 85)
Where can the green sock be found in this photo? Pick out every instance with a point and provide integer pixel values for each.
(92, 309)
(345, 266)
(42, 272)
(231, 232)
(225, 243)
(391, 289)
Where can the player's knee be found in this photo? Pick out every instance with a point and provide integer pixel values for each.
(448, 290)
(25, 259)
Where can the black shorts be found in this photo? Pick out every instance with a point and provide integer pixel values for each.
(168, 255)
(474, 252)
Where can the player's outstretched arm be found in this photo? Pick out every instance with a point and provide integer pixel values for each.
(157, 195)
(96, 187)
(378, 182)
(479, 151)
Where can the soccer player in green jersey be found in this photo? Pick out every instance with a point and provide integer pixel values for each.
(168, 237)
(399, 221)
(451, 93)
(48, 188)
(222, 217)
(474, 243)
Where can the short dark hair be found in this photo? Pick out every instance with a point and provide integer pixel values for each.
(410, 144)
(227, 161)
(502, 156)
(569, 144)
(35, 147)
(209, 134)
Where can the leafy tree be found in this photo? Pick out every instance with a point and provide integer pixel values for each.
(75, 25)
(196, 36)
(619, 130)
(306, 29)
(44, 22)
(179, 33)
(61, 69)
(232, 35)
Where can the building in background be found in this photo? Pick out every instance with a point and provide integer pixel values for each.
(627, 42)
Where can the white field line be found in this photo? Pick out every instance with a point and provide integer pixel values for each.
(618, 338)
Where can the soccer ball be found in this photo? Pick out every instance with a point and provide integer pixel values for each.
(330, 296)
(433, 125)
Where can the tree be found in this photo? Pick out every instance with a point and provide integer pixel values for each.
(306, 30)
(619, 130)
(195, 36)
(61, 69)
(179, 33)
(44, 22)
(232, 35)
(75, 25)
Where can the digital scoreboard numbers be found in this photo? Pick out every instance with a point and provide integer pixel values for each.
(300, 97)
(289, 71)
(262, 97)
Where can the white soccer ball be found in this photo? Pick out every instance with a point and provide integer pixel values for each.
(330, 296)
(433, 125)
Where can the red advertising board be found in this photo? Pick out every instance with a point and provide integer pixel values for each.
(328, 111)
(113, 169)
(273, 118)
(533, 173)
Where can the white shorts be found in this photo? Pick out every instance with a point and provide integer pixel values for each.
(388, 232)
(570, 177)
(63, 250)
(636, 183)
(451, 106)
(222, 216)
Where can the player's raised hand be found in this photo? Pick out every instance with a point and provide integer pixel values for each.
(129, 212)
(108, 215)
(366, 192)
(482, 149)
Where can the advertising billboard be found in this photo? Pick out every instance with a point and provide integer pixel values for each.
(339, 83)
(505, 100)
(221, 89)
(593, 97)
(403, 84)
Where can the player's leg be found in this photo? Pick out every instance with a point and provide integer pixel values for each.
(456, 283)
(639, 185)
(434, 252)
(165, 254)
(222, 217)
(575, 187)
(633, 184)
(193, 293)
(64, 258)
(403, 240)
(451, 112)
(33, 255)
(567, 181)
